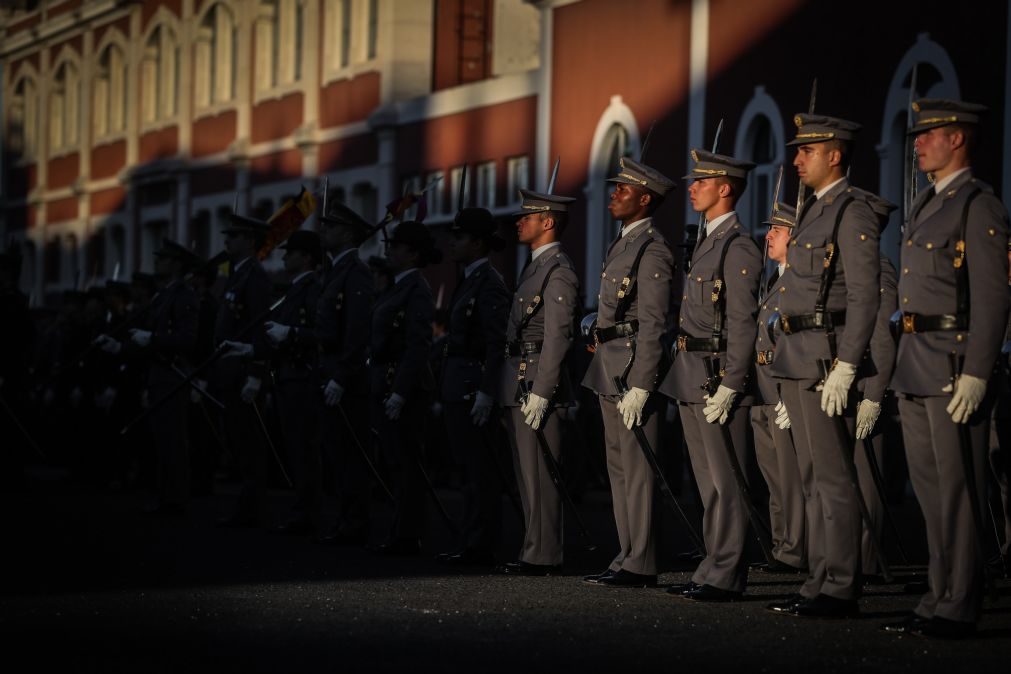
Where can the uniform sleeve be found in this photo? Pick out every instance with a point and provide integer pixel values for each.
(418, 337)
(652, 303)
(860, 259)
(883, 348)
(742, 272)
(986, 254)
(560, 297)
(494, 314)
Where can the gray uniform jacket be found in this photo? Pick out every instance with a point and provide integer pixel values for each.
(475, 346)
(551, 324)
(742, 269)
(296, 357)
(247, 294)
(342, 329)
(927, 285)
(649, 308)
(855, 289)
(173, 326)
(875, 371)
(767, 392)
(401, 338)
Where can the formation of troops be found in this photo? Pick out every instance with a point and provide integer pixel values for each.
(805, 360)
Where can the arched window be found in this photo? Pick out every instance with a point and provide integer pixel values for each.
(160, 75)
(760, 139)
(64, 114)
(109, 92)
(616, 136)
(214, 52)
(279, 27)
(22, 120)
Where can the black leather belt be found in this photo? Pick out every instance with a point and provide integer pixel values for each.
(765, 357)
(522, 348)
(711, 344)
(921, 323)
(829, 319)
(616, 331)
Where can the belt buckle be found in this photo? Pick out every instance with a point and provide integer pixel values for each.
(762, 359)
(909, 323)
(596, 336)
(784, 323)
(682, 343)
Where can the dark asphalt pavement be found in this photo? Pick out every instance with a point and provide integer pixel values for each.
(91, 584)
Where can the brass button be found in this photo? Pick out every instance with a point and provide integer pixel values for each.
(807, 245)
(909, 242)
(959, 338)
(863, 237)
(782, 289)
(905, 270)
(905, 300)
(930, 246)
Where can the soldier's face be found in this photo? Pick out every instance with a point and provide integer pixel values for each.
(402, 258)
(463, 247)
(778, 238)
(627, 201)
(295, 261)
(162, 266)
(704, 194)
(813, 164)
(935, 148)
(529, 227)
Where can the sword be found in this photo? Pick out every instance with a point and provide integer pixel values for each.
(845, 442)
(365, 455)
(21, 429)
(910, 154)
(762, 290)
(270, 443)
(810, 110)
(761, 530)
(491, 447)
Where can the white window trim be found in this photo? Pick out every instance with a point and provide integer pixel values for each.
(761, 105)
(66, 57)
(29, 73)
(162, 18)
(114, 36)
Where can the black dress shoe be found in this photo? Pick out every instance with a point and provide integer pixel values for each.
(623, 578)
(467, 557)
(911, 623)
(712, 594)
(681, 589)
(398, 547)
(785, 605)
(825, 606)
(942, 628)
(521, 568)
(595, 578)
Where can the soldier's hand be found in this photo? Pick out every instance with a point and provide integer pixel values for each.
(277, 333)
(394, 405)
(250, 389)
(969, 392)
(534, 409)
(108, 344)
(717, 409)
(236, 349)
(481, 410)
(332, 393)
(782, 416)
(867, 415)
(630, 406)
(837, 386)
(140, 337)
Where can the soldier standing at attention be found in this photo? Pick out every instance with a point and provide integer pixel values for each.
(401, 378)
(534, 381)
(473, 352)
(954, 302)
(828, 310)
(712, 375)
(774, 448)
(632, 311)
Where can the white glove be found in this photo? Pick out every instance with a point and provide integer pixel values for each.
(250, 389)
(969, 392)
(630, 406)
(108, 344)
(481, 410)
(105, 400)
(195, 396)
(534, 408)
(236, 349)
(717, 408)
(394, 406)
(837, 388)
(140, 337)
(782, 417)
(332, 393)
(868, 412)
(277, 332)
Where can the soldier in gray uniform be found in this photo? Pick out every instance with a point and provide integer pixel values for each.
(827, 314)
(401, 378)
(473, 352)
(712, 375)
(774, 448)
(954, 301)
(534, 381)
(631, 318)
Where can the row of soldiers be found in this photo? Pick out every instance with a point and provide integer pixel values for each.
(801, 360)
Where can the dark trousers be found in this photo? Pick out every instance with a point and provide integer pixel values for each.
(401, 443)
(171, 443)
(346, 435)
(777, 459)
(298, 405)
(473, 449)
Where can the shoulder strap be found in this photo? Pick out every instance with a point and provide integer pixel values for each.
(629, 284)
(961, 264)
(718, 298)
(828, 266)
(536, 303)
